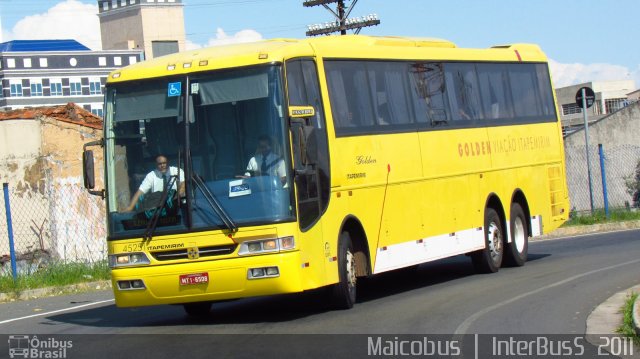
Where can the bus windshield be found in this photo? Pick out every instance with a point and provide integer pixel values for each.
(213, 156)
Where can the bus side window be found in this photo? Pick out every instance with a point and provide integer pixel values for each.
(526, 100)
(351, 103)
(463, 92)
(494, 89)
(428, 90)
(389, 86)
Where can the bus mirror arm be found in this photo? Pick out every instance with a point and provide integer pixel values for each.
(305, 171)
(88, 170)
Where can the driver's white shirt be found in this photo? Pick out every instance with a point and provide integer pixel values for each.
(275, 163)
(154, 181)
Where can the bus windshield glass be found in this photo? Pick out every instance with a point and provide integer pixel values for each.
(213, 156)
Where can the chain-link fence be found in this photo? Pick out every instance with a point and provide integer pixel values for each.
(56, 221)
(620, 164)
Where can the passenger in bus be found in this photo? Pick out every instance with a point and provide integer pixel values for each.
(266, 162)
(156, 180)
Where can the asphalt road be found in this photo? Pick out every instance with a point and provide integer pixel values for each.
(563, 281)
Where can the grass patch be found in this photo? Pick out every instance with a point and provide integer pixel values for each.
(627, 329)
(598, 216)
(55, 275)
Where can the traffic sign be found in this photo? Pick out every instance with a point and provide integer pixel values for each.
(589, 95)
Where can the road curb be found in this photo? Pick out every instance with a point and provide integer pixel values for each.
(606, 318)
(52, 291)
(589, 229)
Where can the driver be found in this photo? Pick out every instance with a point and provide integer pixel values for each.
(266, 162)
(156, 179)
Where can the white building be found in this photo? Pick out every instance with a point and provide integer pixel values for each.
(610, 97)
(55, 72)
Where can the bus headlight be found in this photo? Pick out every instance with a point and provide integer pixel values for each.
(287, 243)
(267, 246)
(128, 259)
(254, 247)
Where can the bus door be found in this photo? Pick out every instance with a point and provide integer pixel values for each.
(311, 164)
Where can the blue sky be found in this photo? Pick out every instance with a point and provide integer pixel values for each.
(585, 39)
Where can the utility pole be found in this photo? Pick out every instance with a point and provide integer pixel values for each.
(341, 18)
(342, 22)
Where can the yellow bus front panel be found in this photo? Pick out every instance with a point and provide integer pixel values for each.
(227, 279)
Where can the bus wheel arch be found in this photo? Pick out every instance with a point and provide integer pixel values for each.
(489, 259)
(515, 252)
(520, 199)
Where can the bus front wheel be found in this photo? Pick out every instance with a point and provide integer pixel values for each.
(489, 259)
(344, 292)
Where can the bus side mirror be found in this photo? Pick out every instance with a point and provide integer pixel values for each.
(88, 169)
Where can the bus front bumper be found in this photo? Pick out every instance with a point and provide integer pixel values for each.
(227, 279)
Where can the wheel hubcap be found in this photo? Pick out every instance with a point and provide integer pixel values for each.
(519, 236)
(495, 241)
(351, 270)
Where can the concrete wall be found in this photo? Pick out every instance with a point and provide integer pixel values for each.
(162, 24)
(619, 134)
(19, 147)
(41, 160)
(119, 28)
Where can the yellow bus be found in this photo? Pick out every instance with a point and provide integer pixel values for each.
(287, 165)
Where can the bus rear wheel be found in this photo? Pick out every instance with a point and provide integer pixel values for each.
(516, 251)
(344, 292)
(489, 259)
(197, 310)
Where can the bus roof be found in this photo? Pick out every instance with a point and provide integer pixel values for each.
(348, 47)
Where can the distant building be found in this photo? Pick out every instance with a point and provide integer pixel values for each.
(154, 26)
(610, 97)
(634, 96)
(55, 72)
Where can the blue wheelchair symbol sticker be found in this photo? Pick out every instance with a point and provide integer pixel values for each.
(174, 89)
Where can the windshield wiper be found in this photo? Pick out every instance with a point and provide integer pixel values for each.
(153, 221)
(213, 202)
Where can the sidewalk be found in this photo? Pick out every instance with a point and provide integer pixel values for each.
(53, 291)
(607, 317)
(589, 229)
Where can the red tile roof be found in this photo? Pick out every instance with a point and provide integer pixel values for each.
(70, 113)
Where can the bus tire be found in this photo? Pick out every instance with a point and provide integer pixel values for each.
(344, 292)
(489, 259)
(198, 309)
(515, 254)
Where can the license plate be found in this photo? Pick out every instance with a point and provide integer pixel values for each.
(196, 278)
